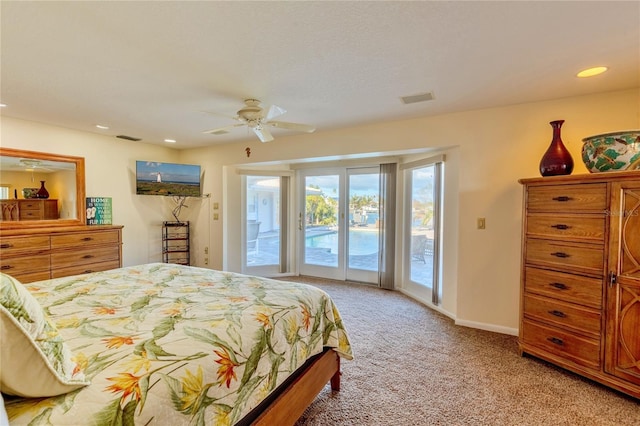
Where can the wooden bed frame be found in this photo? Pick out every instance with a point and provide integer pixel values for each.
(286, 407)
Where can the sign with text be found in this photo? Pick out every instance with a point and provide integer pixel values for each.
(99, 211)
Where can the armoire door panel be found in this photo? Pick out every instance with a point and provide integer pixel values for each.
(623, 320)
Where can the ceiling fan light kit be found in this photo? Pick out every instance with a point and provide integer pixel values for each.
(255, 118)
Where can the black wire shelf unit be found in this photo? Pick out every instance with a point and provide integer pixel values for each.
(175, 243)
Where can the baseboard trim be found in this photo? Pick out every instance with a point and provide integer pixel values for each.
(488, 327)
(463, 323)
(428, 304)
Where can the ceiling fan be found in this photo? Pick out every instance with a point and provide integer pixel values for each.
(30, 165)
(258, 120)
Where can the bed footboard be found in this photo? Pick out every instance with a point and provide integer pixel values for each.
(291, 403)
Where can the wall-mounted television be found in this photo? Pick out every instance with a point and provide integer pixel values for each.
(169, 179)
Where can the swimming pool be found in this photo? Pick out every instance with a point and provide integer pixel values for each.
(361, 242)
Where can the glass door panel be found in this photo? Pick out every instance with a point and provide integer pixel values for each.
(363, 237)
(262, 224)
(422, 232)
(322, 235)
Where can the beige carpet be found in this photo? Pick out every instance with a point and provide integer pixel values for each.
(413, 366)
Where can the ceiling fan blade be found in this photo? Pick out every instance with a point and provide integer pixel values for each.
(274, 111)
(223, 130)
(219, 114)
(263, 134)
(292, 126)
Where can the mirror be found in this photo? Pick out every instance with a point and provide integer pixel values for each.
(25, 205)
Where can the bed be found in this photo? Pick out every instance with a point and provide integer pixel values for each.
(167, 344)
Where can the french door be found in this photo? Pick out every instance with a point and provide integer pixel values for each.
(338, 223)
(422, 229)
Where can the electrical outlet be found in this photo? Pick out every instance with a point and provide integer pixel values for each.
(481, 223)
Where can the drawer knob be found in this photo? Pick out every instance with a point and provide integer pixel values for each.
(561, 198)
(87, 239)
(559, 286)
(560, 254)
(6, 245)
(558, 314)
(555, 341)
(6, 267)
(560, 226)
(87, 256)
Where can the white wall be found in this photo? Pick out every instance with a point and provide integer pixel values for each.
(496, 147)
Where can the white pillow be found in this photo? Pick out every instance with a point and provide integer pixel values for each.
(36, 362)
(4, 418)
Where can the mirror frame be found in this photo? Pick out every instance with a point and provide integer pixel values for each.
(81, 215)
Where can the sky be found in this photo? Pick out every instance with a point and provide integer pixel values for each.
(170, 172)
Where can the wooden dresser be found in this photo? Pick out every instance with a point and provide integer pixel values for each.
(29, 209)
(42, 253)
(580, 289)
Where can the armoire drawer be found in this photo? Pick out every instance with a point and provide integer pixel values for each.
(565, 315)
(581, 350)
(566, 256)
(568, 198)
(579, 228)
(561, 285)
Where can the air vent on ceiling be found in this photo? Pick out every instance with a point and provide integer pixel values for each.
(129, 138)
(417, 98)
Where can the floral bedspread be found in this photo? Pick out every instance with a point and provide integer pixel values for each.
(169, 345)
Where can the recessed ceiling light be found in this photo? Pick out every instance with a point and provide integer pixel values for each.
(170, 140)
(590, 72)
(102, 126)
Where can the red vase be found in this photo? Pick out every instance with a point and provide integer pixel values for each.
(42, 192)
(557, 160)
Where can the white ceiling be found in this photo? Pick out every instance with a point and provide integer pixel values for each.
(150, 69)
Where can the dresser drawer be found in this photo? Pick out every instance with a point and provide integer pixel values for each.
(21, 265)
(85, 269)
(31, 205)
(580, 350)
(84, 238)
(16, 245)
(565, 315)
(65, 259)
(559, 285)
(568, 198)
(29, 277)
(578, 228)
(30, 214)
(566, 256)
